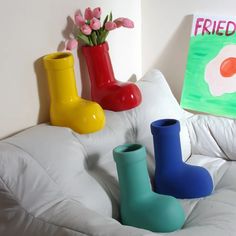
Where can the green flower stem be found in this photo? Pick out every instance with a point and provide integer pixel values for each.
(93, 37)
(98, 36)
(91, 43)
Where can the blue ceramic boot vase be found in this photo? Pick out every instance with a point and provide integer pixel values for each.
(140, 206)
(173, 176)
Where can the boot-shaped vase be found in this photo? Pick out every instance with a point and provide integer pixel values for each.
(173, 176)
(140, 206)
(105, 89)
(66, 107)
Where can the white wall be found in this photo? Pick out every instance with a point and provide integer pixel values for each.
(166, 26)
(31, 29)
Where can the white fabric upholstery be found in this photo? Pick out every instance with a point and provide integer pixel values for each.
(55, 182)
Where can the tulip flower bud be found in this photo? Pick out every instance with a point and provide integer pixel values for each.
(128, 23)
(71, 44)
(97, 12)
(110, 26)
(88, 14)
(79, 20)
(125, 22)
(85, 29)
(95, 24)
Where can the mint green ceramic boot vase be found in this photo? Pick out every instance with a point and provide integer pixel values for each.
(140, 206)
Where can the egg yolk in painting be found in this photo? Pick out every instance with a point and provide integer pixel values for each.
(220, 72)
(228, 67)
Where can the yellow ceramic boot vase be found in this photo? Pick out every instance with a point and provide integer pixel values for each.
(67, 108)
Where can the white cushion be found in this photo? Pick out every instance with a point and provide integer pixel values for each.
(54, 181)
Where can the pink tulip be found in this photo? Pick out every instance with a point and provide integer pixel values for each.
(88, 14)
(119, 22)
(128, 23)
(79, 20)
(109, 25)
(95, 24)
(125, 22)
(71, 44)
(85, 29)
(97, 12)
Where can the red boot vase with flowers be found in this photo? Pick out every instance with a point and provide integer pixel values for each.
(105, 89)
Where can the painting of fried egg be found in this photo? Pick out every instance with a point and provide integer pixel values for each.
(210, 76)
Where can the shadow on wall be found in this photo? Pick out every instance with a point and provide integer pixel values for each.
(67, 34)
(172, 61)
(43, 92)
(85, 81)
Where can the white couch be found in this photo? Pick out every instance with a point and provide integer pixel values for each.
(55, 182)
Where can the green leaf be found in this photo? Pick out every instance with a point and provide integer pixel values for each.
(98, 33)
(103, 36)
(91, 43)
(84, 38)
(104, 22)
(110, 16)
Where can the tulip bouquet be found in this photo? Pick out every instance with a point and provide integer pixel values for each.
(91, 31)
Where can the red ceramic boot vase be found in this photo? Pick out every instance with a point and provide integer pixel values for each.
(105, 89)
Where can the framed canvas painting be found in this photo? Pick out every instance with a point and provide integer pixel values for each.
(210, 77)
